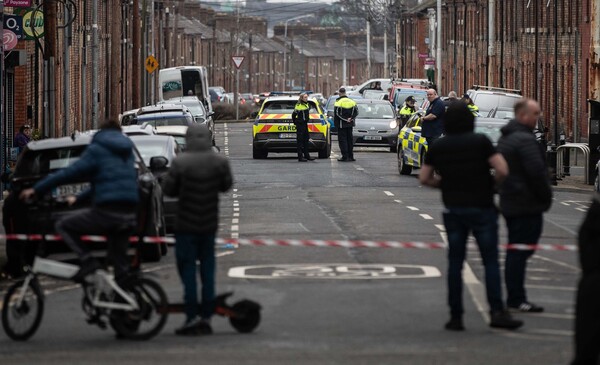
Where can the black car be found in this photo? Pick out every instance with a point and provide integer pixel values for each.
(166, 146)
(41, 158)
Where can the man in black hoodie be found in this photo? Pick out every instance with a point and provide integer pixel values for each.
(524, 196)
(196, 177)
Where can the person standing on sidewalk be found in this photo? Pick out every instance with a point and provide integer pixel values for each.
(301, 118)
(345, 112)
(469, 208)
(587, 320)
(524, 197)
(433, 121)
(196, 177)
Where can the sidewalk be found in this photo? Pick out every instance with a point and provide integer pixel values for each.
(573, 184)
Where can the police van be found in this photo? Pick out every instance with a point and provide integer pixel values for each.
(273, 130)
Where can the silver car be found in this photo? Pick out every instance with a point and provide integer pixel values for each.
(376, 124)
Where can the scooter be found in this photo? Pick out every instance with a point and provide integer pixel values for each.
(244, 315)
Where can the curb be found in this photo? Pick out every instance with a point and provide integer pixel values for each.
(571, 189)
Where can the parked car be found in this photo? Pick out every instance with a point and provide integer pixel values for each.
(374, 94)
(176, 131)
(376, 124)
(502, 113)
(411, 146)
(167, 118)
(166, 146)
(137, 130)
(198, 111)
(490, 127)
(487, 98)
(43, 157)
(370, 85)
(216, 93)
(127, 117)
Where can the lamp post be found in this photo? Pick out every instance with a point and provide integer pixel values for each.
(285, 45)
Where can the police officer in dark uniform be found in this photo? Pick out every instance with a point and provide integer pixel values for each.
(407, 110)
(301, 117)
(345, 112)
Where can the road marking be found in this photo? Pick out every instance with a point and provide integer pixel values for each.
(236, 209)
(581, 209)
(557, 262)
(235, 228)
(398, 201)
(235, 190)
(235, 235)
(441, 227)
(344, 271)
(565, 203)
(388, 193)
(236, 214)
(412, 208)
(426, 216)
(235, 221)
(360, 168)
(476, 290)
(552, 315)
(225, 253)
(552, 332)
(550, 287)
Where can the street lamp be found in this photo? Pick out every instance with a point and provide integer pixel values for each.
(285, 44)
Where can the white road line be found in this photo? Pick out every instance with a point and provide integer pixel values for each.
(236, 209)
(550, 287)
(398, 201)
(236, 214)
(235, 228)
(552, 315)
(224, 253)
(567, 204)
(476, 290)
(552, 332)
(557, 262)
(441, 227)
(235, 221)
(389, 193)
(235, 190)
(360, 169)
(426, 216)
(235, 235)
(412, 208)
(581, 209)
(236, 204)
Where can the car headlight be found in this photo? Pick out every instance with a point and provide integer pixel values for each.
(393, 124)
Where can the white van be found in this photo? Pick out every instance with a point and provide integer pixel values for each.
(175, 82)
(370, 85)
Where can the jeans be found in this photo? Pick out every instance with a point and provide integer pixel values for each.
(522, 229)
(430, 140)
(483, 222)
(346, 142)
(190, 247)
(302, 137)
(116, 225)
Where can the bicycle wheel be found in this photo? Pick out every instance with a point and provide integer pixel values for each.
(151, 316)
(21, 320)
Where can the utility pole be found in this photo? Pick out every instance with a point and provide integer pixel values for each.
(385, 47)
(95, 60)
(237, 71)
(555, 173)
(135, 55)
(438, 42)
(67, 70)
(84, 61)
(368, 47)
(49, 65)
(144, 47)
(115, 58)
(345, 66)
(175, 35)
(2, 126)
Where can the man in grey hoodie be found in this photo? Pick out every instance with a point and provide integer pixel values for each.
(196, 177)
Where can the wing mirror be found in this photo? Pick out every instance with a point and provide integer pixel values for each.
(216, 149)
(158, 163)
(200, 120)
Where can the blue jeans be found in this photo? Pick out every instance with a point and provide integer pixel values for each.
(190, 247)
(483, 222)
(525, 229)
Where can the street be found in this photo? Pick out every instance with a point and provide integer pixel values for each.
(333, 305)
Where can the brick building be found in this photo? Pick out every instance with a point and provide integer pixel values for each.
(515, 51)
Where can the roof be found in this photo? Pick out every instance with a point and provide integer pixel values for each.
(151, 138)
(161, 108)
(63, 142)
(371, 101)
(172, 130)
(162, 115)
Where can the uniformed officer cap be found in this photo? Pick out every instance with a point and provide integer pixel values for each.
(342, 90)
(410, 98)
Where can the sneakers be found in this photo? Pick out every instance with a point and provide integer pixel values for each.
(455, 324)
(503, 319)
(195, 327)
(526, 307)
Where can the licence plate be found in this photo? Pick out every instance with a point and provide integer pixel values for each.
(66, 190)
(372, 138)
(287, 135)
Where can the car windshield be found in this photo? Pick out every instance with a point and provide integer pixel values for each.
(284, 107)
(402, 94)
(159, 122)
(491, 130)
(195, 108)
(504, 114)
(375, 111)
(43, 162)
(487, 102)
(149, 148)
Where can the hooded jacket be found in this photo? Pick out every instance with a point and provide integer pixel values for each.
(196, 177)
(527, 189)
(108, 164)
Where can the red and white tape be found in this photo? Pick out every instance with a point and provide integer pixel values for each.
(230, 243)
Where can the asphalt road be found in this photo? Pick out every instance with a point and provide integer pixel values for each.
(333, 305)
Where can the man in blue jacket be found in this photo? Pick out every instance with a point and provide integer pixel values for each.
(109, 164)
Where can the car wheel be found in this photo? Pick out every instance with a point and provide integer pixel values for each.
(258, 154)
(394, 148)
(403, 168)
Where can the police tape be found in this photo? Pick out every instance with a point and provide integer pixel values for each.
(236, 242)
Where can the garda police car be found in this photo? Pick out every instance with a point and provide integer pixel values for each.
(273, 130)
(411, 146)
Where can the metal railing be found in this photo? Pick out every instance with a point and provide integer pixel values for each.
(583, 147)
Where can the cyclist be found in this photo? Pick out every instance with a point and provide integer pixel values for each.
(109, 164)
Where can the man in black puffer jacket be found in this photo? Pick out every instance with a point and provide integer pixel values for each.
(524, 196)
(197, 177)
